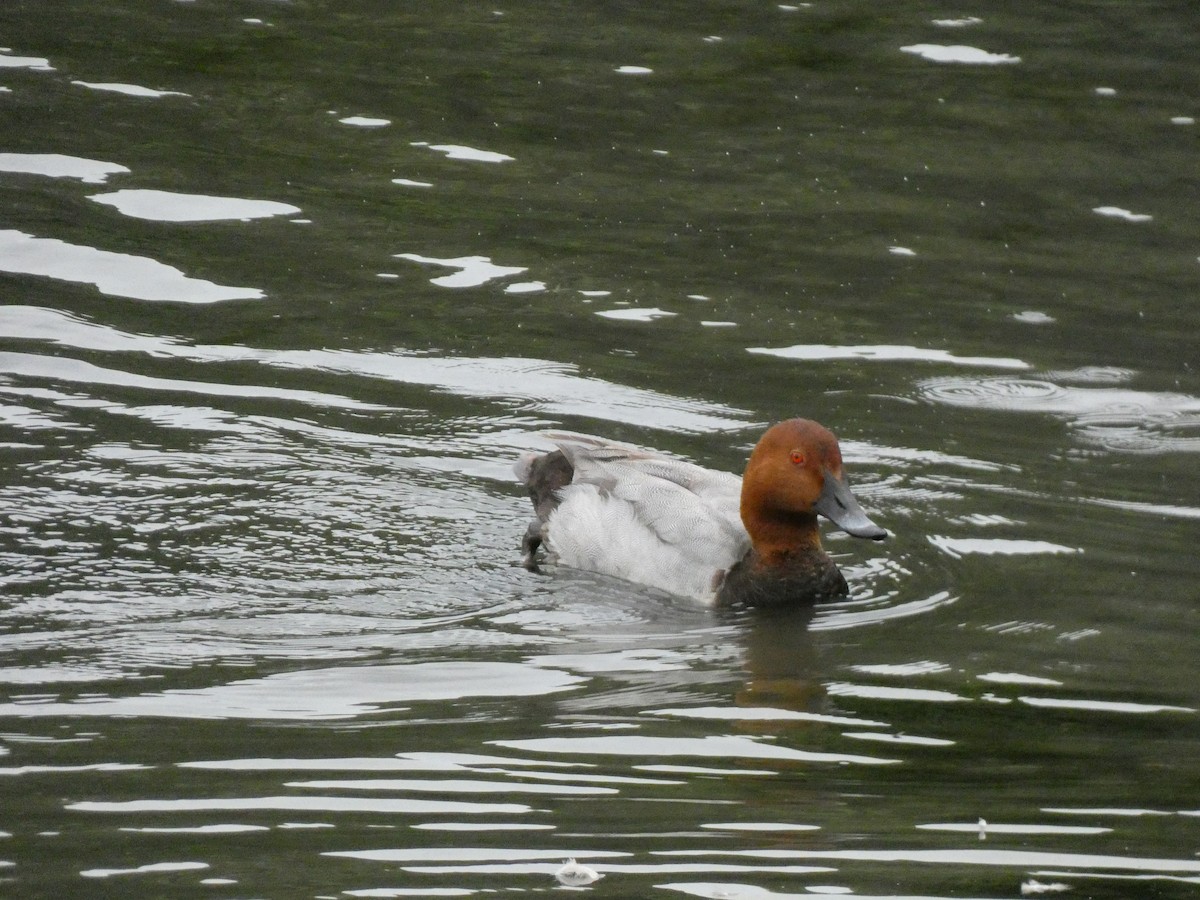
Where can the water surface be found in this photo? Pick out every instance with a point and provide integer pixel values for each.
(285, 289)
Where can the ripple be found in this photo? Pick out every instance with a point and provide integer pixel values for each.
(833, 617)
(549, 386)
(1115, 419)
(1007, 393)
(320, 694)
(724, 747)
(60, 369)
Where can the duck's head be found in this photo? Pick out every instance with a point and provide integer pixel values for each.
(794, 473)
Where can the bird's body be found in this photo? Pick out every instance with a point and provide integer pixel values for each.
(648, 518)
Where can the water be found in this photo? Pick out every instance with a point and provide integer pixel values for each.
(287, 286)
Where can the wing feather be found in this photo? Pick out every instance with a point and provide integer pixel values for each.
(646, 517)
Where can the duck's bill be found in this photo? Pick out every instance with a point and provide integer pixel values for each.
(838, 505)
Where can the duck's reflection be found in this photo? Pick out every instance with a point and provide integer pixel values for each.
(780, 658)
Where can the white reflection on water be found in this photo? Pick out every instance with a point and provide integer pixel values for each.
(321, 693)
(451, 786)
(639, 660)
(612, 868)
(1013, 828)
(959, 53)
(478, 759)
(410, 892)
(1111, 706)
(959, 547)
(964, 22)
(1117, 212)
(1104, 811)
(461, 152)
(473, 271)
(114, 274)
(912, 739)
(542, 384)
(526, 287)
(168, 206)
(199, 829)
(388, 806)
(473, 827)
(27, 419)
(720, 746)
(1157, 509)
(876, 692)
(473, 854)
(334, 764)
(56, 165)
(971, 857)
(37, 63)
(733, 891)
(1017, 678)
(761, 714)
(701, 770)
(60, 368)
(90, 767)
(885, 353)
(130, 90)
(635, 314)
(149, 868)
(903, 670)
(759, 826)
(834, 616)
(584, 779)
(365, 121)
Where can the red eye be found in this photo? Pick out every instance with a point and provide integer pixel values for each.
(798, 457)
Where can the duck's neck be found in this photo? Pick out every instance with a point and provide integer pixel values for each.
(786, 539)
(786, 566)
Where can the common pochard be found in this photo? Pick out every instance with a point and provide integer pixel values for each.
(612, 508)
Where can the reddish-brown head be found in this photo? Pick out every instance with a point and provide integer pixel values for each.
(794, 473)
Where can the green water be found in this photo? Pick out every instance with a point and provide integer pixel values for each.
(264, 634)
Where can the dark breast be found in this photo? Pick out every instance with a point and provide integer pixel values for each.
(804, 579)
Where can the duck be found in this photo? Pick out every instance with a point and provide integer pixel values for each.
(645, 517)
